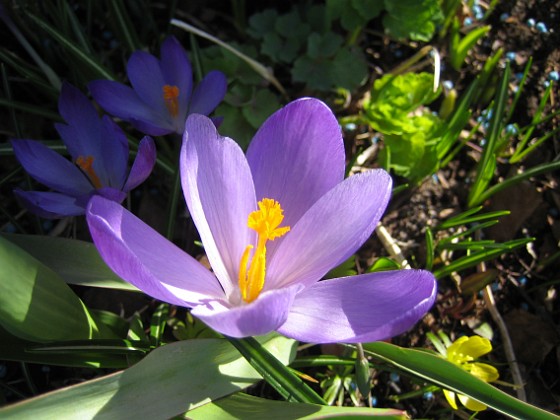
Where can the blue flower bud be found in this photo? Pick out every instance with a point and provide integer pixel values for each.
(510, 55)
(541, 27)
(511, 129)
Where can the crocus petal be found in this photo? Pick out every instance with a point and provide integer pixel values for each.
(83, 127)
(208, 93)
(262, 316)
(143, 164)
(50, 168)
(106, 144)
(177, 71)
(153, 128)
(145, 76)
(220, 195)
(50, 205)
(113, 159)
(121, 101)
(297, 156)
(111, 194)
(332, 230)
(146, 259)
(363, 308)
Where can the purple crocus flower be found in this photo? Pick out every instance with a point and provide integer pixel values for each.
(273, 223)
(99, 152)
(162, 93)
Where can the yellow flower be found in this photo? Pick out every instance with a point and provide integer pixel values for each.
(463, 352)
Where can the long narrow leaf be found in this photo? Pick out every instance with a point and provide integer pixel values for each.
(275, 373)
(487, 164)
(537, 170)
(35, 303)
(77, 262)
(439, 371)
(247, 407)
(479, 256)
(73, 49)
(171, 380)
(16, 349)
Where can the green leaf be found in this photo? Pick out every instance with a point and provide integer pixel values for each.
(35, 303)
(383, 264)
(345, 269)
(247, 407)
(439, 371)
(95, 67)
(16, 349)
(477, 257)
(394, 97)
(77, 262)
(413, 153)
(323, 46)
(282, 379)
(169, 381)
(487, 163)
(291, 25)
(348, 69)
(459, 52)
(122, 22)
(314, 73)
(262, 23)
(412, 19)
(261, 106)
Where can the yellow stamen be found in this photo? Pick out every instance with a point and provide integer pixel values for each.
(171, 98)
(85, 163)
(265, 222)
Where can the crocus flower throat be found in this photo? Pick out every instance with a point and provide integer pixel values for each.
(171, 98)
(85, 163)
(265, 222)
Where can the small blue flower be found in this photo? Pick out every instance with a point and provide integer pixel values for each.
(467, 21)
(531, 22)
(541, 27)
(478, 12)
(510, 56)
(99, 152)
(554, 76)
(511, 129)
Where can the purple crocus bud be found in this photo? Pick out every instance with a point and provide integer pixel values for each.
(162, 94)
(273, 223)
(99, 152)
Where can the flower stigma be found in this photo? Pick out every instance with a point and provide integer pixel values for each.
(85, 163)
(171, 98)
(265, 221)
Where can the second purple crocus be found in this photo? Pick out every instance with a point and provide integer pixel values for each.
(162, 94)
(273, 223)
(99, 152)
